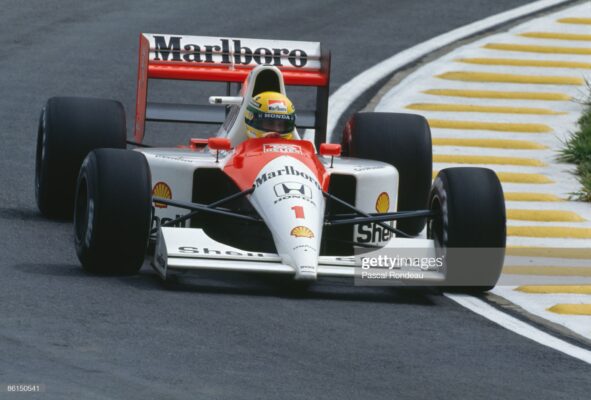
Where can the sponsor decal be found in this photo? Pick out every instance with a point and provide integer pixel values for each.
(226, 51)
(295, 197)
(305, 247)
(362, 168)
(216, 252)
(373, 233)
(288, 171)
(282, 148)
(383, 203)
(157, 221)
(277, 105)
(299, 212)
(161, 189)
(292, 188)
(173, 158)
(307, 268)
(278, 116)
(302, 232)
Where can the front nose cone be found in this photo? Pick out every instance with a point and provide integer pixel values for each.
(298, 246)
(290, 201)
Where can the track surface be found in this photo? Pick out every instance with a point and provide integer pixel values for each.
(228, 337)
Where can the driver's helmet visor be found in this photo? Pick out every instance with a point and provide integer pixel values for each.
(270, 122)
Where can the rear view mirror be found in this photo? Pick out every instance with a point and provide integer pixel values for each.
(330, 149)
(218, 144)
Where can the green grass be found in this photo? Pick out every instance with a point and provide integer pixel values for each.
(577, 151)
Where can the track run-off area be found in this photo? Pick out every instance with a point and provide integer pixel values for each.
(508, 101)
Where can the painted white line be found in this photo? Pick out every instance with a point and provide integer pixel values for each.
(342, 99)
(519, 327)
(538, 304)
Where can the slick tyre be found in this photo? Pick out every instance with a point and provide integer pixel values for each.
(69, 128)
(470, 229)
(113, 210)
(401, 140)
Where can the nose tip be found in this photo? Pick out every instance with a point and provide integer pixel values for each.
(305, 273)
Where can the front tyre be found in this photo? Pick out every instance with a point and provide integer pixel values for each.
(470, 229)
(113, 209)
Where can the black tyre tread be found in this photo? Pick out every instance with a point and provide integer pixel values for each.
(476, 219)
(74, 126)
(119, 183)
(404, 141)
(481, 202)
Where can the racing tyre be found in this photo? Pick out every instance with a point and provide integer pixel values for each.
(69, 128)
(470, 230)
(113, 210)
(404, 141)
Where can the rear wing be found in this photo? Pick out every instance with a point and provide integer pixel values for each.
(203, 58)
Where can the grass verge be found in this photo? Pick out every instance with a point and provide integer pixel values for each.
(577, 150)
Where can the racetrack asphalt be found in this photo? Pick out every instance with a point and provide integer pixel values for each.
(229, 336)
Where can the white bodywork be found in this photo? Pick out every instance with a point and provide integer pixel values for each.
(297, 250)
(183, 248)
(295, 220)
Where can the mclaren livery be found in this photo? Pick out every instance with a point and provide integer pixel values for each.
(300, 207)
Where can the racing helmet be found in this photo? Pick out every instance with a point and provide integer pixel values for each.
(270, 114)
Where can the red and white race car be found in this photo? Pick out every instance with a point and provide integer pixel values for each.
(300, 207)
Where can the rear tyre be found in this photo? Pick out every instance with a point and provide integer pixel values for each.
(69, 128)
(401, 140)
(470, 231)
(113, 211)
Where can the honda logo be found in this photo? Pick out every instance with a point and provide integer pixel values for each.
(292, 189)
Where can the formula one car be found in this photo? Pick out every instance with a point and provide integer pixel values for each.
(301, 207)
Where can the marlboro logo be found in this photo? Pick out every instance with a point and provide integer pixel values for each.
(225, 51)
(286, 171)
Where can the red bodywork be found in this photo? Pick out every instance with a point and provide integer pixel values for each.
(251, 156)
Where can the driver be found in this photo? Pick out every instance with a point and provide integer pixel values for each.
(270, 114)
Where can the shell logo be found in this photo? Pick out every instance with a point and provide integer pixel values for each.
(161, 189)
(383, 203)
(302, 231)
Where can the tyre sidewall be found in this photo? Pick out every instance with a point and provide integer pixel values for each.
(119, 189)
(85, 235)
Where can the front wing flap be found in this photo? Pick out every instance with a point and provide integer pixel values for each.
(192, 249)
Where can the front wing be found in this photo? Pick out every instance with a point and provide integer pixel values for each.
(192, 249)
